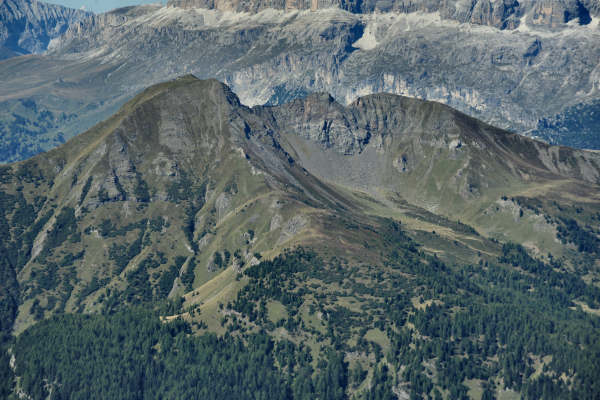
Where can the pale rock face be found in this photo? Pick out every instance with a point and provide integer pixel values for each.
(205, 241)
(28, 26)
(292, 227)
(275, 222)
(38, 244)
(210, 264)
(222, 205)
(493, 59)
(164, 166)
(503, 14)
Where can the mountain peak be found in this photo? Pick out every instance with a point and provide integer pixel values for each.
(185, 86)
(186, 116)
(410, 131)
(179, 116)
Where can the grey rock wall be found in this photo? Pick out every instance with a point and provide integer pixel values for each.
(503, 14)
(512, 78)
(28, 26)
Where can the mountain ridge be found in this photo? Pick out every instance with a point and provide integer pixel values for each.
(381, 144)
(499, 14)
(357, 130)
(353, 126)
(212, 216)
(104, 60)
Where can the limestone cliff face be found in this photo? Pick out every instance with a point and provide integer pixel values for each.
(254, 5)
(553, 13)
(503, 14)
(28, 26)
(511, 78)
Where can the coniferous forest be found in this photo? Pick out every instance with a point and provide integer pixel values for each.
(475, 331)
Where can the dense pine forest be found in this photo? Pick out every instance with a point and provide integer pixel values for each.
(485, 322)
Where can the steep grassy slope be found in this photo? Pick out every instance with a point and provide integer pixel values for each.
(339, 232)
(178, 185)
(400, 150)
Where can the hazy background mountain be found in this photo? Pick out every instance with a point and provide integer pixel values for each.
(519, 68)
(378, 233)
(29, 26)
(99, 6)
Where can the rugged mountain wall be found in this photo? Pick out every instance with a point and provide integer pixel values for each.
(507, 78)
(503, 14)
(28, 26)
(391, 142)
(512, 78)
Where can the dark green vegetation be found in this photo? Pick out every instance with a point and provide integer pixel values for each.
(471, 322)
(17, 231)
(133, 355)
(585, 238)
(257, 279)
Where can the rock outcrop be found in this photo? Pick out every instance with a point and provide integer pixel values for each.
(28, 26)
(357, 144)
(503, 14)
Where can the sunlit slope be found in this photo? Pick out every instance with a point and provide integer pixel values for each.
(184, 185)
